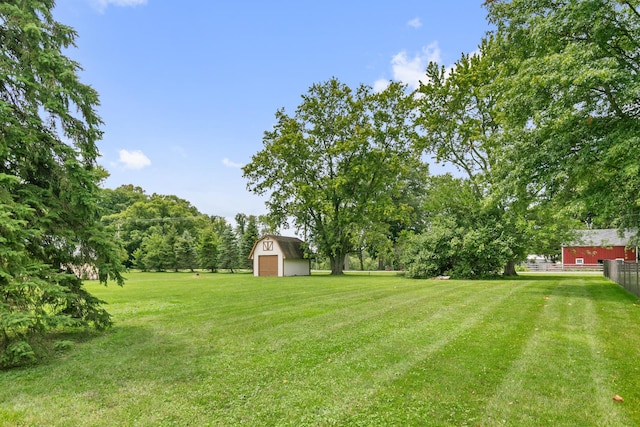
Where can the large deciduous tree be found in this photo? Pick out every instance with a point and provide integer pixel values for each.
(459, 117)
(465, 237)
(570, 84)
(336, 166)
(464, 124)
(117, 200)
(49, 220)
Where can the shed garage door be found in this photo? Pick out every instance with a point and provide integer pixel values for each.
(268, 265)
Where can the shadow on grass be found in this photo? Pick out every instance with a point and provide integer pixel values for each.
(54, 347)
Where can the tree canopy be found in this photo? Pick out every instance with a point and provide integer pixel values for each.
(570, 97)
(334, 167)
(464, 238)
(460, 123)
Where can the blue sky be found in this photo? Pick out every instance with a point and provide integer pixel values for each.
(187, 88)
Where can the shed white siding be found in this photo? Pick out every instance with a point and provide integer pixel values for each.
(296, 267)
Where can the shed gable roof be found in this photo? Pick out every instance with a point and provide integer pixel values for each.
(291, 247)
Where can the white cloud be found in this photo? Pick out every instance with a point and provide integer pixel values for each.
(228, 163)
(410, 70)
(415, 23)
(380, 85)
(133, 159)
(101, 5)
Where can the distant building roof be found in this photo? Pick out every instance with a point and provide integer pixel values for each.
(603, 237)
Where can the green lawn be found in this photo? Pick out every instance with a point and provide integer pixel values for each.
(358, 350)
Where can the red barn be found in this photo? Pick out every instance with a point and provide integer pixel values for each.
(592, 247)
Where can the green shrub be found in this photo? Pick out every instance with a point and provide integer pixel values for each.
(445, 249)
(17, 353)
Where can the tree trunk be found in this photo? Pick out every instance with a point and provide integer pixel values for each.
(337, 265)
(510, 269)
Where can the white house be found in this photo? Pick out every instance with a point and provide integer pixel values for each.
(279, 256)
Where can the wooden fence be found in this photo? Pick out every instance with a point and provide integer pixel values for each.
(558, 267)
(626, 274)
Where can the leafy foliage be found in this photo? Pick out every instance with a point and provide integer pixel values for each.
(461, 113)
(334, 166)
(570, 95)
(459, 118)
(119, 199)
(464, 238)
(49, 218)
(157, 251)
(167, 233)
(143, 215)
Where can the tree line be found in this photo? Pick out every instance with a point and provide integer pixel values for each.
(167, 233)
(164, 233)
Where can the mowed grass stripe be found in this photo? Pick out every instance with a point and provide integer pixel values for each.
(368, 353)
(382, 364)
(618, 332)
(358, 318)
(449, 385)
(559, 379)
(316, 354)
(223, 349)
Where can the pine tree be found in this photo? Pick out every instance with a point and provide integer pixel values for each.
(49, 183)
(247, 241)
(229, 250)
(186, 252)
(208, 251)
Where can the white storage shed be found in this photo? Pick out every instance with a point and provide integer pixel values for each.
(279, 256)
